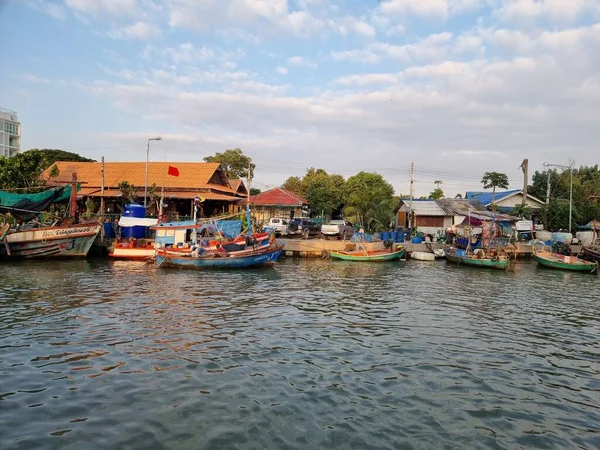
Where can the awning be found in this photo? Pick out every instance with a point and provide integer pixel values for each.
(137, 222)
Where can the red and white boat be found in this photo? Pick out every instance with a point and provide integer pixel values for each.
(134, 248)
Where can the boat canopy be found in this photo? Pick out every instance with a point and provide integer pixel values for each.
(28, 206)
(137, 222)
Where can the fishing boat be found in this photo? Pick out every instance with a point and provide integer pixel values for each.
(547, 258)
(369, 255)
(62, 238)
(590, 253)
(479, 258)
(199, 258)
(134, 248)
(244, 252)
(73, 240)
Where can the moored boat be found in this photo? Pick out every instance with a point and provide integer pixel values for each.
(590, 253)
(369, 255)
(72, 240)
(562, 262)
(493, 260)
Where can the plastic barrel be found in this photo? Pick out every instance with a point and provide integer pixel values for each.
(394, 236)
(460, 252)
(134, 210)
(109, 232)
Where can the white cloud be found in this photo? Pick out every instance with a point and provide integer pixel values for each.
(300, 61)
(34, 79)
(435, 8)
(115, 8)
(54, 10)
(282, 70)
(139, 30)
(432, 48)
(553, 10)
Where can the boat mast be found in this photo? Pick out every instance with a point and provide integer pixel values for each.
(248, 219)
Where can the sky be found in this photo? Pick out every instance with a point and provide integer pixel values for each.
(457, 87)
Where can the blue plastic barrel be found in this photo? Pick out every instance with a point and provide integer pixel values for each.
(394, 236)
(134, 210)
(109, 232)
(460, 252)
(385, 235)
(416, 240)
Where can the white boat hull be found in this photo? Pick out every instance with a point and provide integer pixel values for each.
(52, 242)
(422, 256)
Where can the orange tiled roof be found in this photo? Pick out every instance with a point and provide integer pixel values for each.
(191, 175)
(277, 197)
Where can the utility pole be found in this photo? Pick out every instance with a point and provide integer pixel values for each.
(548, 188)
(410, 205)
(102, 190)
(525, 167)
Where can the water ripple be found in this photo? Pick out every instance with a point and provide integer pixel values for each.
(308, 354)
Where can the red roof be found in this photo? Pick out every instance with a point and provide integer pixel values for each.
(278, 197)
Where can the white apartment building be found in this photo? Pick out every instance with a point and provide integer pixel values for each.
(10, 133)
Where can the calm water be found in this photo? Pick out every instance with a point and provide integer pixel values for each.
(308, 354)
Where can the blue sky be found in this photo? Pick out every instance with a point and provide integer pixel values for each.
(458, 87)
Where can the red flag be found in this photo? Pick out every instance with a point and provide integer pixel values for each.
(173, 171)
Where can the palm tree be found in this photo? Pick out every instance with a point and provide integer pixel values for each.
(494, 180)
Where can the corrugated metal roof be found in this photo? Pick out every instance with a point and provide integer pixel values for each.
(458, 206)
(485, 198)
(427, 208)
(191, 175)
(277, 197)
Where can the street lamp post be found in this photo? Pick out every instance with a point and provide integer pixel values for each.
(570, 167)
(147, 157)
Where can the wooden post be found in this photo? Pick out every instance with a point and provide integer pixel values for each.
(74, 197)
(525, 167)
(102, 190)
(412, 170)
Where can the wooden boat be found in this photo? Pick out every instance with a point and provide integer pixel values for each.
(134, 248)
(368, 255)
(591, 253)
(59, 241)
(215, 260)
(496, 260)
(562, 262)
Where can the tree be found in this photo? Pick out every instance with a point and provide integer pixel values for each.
(324, 192)
(255, 191)
(458, 196)
(294, 184)
(522, 211)
(128, 191)
(24, 170)
(370, 200)
(494, 180)
(234, 163)
(436, 194)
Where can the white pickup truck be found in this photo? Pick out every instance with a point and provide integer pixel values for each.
(278, 225)
(341, 229)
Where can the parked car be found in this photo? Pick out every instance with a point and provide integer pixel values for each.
(303, 227)
(278, 225)
(341, 229)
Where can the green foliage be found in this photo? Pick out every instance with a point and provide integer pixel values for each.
(436, 194)
(255, 191)
(458, 196)
(90, 208)
(234, 163)
(24, 170)
(494, 180)
(324, 192)
(127, 191)
(295, 185)
(522, 211)
(54, 172)
(370, 201)
(586, 196)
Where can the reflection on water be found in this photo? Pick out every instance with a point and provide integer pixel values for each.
(308, 354)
